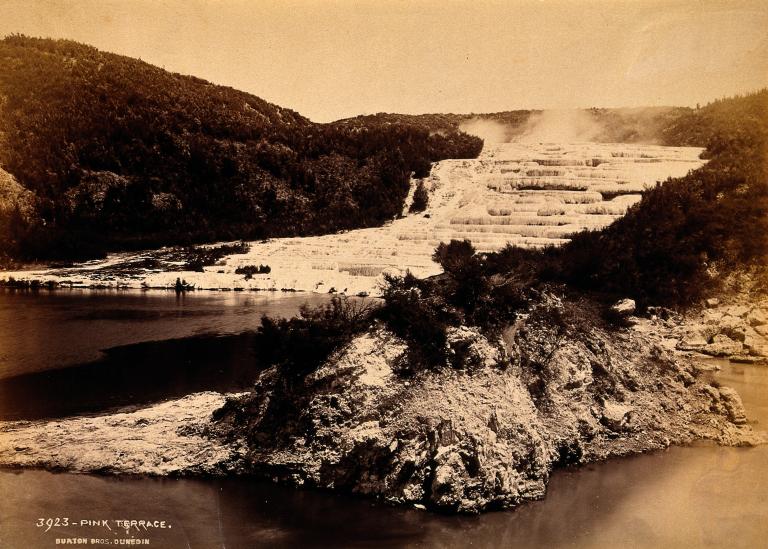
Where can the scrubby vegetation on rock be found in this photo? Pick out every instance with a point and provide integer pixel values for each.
(111, 152)
(554, 388)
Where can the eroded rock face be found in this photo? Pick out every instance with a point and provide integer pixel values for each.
(483, 436)
(735, 327)
(733, 405)
(482, 432)
(722, 345)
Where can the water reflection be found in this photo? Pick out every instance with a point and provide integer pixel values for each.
(685, 497)
(702, 496)
(70, 352)
(47, 330)
(136, 374)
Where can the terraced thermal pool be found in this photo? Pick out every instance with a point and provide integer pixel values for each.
(528, 194)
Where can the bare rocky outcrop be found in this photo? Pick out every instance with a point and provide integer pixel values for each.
(486, 434)
(554, 388)
(733, 326)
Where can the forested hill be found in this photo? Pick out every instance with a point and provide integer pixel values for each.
(604, 125)
(117, 153)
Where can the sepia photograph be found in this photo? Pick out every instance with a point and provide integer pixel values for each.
(384, 274)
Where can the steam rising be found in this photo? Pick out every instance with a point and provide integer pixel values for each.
(488, 130)
(631, 125)
(561, 126)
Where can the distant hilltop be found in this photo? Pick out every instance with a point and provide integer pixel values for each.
(644, 125)
(117, 153)
(103, 152)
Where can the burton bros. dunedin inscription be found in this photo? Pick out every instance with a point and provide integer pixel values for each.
(100, 531)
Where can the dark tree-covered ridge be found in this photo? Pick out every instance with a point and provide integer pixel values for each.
(121, 154)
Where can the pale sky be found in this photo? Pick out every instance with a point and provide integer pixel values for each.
(333, 59)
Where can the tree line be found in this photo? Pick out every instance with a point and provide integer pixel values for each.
(121, 154)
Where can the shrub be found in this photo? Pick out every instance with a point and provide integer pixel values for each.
(456, 256)
(300, 345)
(420, 199)
(250, 270)
(197, 257)
(417, 318)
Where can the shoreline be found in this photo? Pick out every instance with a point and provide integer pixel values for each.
(525, 194)
(439, 413)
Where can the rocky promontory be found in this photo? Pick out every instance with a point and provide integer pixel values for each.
(488, 432)
(555, 388)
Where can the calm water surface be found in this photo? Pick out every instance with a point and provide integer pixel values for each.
(703, 496)
(45, 330)
(68, 352)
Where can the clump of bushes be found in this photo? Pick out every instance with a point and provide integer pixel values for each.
(420, 318)
(420, 199)
(197, 257)
(296, 346)
(482, 294)
(420, 311)
(250, 270)
(301, 344)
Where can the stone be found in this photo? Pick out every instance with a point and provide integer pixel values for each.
(755, 343)
(693, 339)
(712, 302)
(624, 307)
(747, 359)
(734, 327)
(738, 311)
(722, 345)
(616, 415)
(704, 366)
(757, 317)
(471, 349)
(715, 404)
(733, 405)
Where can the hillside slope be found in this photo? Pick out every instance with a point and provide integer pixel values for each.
(121, 154)
(643, 125)
(674, 245)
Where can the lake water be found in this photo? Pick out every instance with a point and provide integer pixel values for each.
(45, 330)
(72, 351)
(702, 496)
